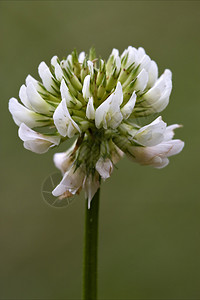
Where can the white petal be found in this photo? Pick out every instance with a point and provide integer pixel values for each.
(124, 53)
(132, 57)
(30, 79)
(118, 64)
(153, 73)
(68, 63)
(59, 159)
(91, 68)
(46, 77)
(129, 106)
(101, 112)
(86, 88)
(64, 160)
(37, 102)
(156, 156)
(158, 96)
(169, 132)
(81, 57)
(159, 163)
(140, 54)
(153, 95)
(24, 98)
(164, 99)
(63, 121)
(104, 167)
(152, 134)
(91, 185)
(22, 114)
(156, 91)
(117, 60)
(145, 63)
(108, 114)
(90, 111)
(116, 154)
(72, 182)
(118, 95)
(37, 142)
(54, 60)
(176, 146)
(65, 94)
(115, 52)
(141, 81)
(72, 129)
(58, 72)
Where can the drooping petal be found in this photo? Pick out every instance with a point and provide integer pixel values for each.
(175, 147)
(65, 125)
(35, 141)
(72, 181)
(64, 160)
(155, 156)
(116, 154)
(104, 167)
(91, 185)
(22, 114)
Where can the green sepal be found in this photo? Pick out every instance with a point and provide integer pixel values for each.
(92, 54)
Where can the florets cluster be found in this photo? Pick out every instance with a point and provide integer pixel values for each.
(103, 104)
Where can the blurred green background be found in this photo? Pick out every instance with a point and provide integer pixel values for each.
(149, 240)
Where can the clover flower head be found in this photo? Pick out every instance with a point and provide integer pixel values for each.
(103, 104)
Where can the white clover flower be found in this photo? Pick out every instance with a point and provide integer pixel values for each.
(103, 104)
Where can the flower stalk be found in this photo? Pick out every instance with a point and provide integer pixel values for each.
(91, 249)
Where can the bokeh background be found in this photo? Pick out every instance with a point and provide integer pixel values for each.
(149, 239)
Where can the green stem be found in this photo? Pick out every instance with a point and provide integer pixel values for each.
(90, 249)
